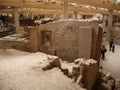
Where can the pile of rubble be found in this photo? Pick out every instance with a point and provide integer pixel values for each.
(107, 82)
(85, 72)
(82, 71)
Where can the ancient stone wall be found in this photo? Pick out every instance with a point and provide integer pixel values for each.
(15, 41)
(69, 39)
(6, 44)
(83, 71)
(115, 34)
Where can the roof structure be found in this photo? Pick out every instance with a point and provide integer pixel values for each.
(87, 7)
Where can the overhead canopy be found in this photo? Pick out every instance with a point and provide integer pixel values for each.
(87, 7)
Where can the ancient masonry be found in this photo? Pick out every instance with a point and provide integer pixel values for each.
(68, 39)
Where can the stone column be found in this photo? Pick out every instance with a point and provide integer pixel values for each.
(33, 39)
(17, 21)
(110, 22)
(65, 9)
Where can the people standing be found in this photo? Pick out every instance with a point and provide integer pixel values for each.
(103, 51)
(111, 44)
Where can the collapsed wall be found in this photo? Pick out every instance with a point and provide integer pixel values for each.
(68, 39)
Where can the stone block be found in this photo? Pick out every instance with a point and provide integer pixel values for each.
(85, 42)
(89, 71)
(65, 71)
(111, 82)
(54, 61)
(104, 86)
(33, 39)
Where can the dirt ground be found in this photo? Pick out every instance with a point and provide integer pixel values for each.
(23, 71)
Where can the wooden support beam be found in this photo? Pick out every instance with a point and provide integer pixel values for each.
(98, 3)
(57, 7)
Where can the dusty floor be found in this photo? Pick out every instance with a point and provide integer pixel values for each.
(112, 61)
(22, 71)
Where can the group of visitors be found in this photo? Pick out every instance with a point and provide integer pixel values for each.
(111, 48)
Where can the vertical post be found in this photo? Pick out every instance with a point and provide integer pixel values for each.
(117, 19)
(47, 1)
(104, 21)
(17, 21)
(33, 39)
(110, 22)
(65, 9)
(75, 13)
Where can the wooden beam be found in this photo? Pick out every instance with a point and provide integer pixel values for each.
(48, 7)
(57, 12)
(42, 5)
(98, 3)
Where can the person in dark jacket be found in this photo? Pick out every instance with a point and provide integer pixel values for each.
(110, 44)
(103, 51)
(113, 48)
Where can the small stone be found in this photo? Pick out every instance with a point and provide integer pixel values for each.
(47, 67)
(54, 62)
(111, 83)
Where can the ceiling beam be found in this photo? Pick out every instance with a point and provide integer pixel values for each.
(57, 12)
(98, 3)
(42, 5)
(50, 6)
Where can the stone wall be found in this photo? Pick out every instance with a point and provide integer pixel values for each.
(115, 34)
(6, 44)
(15, 41)
(70, 39)
(83, 71)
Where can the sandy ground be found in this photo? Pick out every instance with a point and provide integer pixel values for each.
(22, 71)
(112, 62)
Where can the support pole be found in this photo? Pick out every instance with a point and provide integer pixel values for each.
(17, 21)
(110, 23)
(65, 9)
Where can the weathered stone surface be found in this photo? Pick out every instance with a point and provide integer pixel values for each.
(79, 61)
(54, 61)
(76, 72)
(65, 71)
(46, 67)
(117, 84)
(65, 38)
(108, 76)
(106, 80)
(8, 44)
(89, 71)
(104, 86)
(111, 82)
(85, 42)
(33, 39)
